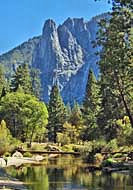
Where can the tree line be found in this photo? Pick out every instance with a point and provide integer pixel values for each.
(107, 109)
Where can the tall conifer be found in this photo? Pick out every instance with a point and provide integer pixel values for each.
(57, 114)
(91, 108)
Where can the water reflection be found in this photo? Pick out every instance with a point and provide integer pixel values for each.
(70, 174)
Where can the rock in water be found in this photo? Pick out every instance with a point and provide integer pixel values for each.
(17, 154)
(2, 162)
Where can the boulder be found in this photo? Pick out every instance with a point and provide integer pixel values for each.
(2, 162)
(17, 154)
(38, 158)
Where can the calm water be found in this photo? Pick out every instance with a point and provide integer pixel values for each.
(70, 174)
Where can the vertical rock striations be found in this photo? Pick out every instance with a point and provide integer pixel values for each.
(64, 55)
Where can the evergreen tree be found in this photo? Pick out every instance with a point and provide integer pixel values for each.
(76, 121)
(116, 38)
(91, 108)
(76, 115)
(36, 84)
(2, 82)
(22, 78)
(57, 114)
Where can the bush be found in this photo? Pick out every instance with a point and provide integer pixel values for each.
(78, 148)
(7, 154)
(63, 138)
(37, 147)
(112, 146)
(108, 162)
(27, 154)
(7, 142)
(98, 158)
(91, 148)
(68, 148)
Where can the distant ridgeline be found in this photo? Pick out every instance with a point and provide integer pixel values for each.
(64, 54)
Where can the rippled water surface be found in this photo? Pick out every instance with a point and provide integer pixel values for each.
(69, 173)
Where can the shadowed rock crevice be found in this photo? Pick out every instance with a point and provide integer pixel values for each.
(64, 55)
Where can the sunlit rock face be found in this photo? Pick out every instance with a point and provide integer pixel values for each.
(64, 54)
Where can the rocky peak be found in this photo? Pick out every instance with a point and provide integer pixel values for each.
(49, 27)
(63, 54)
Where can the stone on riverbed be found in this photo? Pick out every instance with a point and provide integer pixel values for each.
(17, 154)
(2, 162)
(38, 158)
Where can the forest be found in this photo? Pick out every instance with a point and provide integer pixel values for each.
(104, 120)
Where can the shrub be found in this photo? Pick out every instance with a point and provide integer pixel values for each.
(98, 158)
(63, 138)
(37, 147)
(7, 142)
(27, 154)
(68, 148)
(112, 145)
(78, 148)
(7, 154)
(108, 162)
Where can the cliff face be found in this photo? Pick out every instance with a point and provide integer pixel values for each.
(19, 55)
(64, 55)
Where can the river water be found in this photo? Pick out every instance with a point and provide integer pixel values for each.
(70, 173)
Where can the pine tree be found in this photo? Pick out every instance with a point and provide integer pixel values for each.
(91, 108)
(22, 78)
(2, 82)
(116, 38)
(36, 83)
(57, 114)
(76, 115)
(76, 121)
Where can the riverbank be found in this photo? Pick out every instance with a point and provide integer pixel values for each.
(7, 182)
(12, 184)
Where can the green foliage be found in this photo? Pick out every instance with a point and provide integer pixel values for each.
(125, 131)
(36, 83)
(25, 115)
(37, 146)
(7, 154)
(72, 132)
(76, 115)
(22, 79)
(27, 154)
(91, 108)
(2, 80)
(98, 158)
(68, 148)
(4, 86)
(5, 138)
(63, 138)
(112, 145)
(57, 114)
(116, 55)
(108, 162)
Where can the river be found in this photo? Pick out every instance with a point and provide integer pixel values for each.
(70, 173)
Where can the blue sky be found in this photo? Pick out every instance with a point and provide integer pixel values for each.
(24, 19)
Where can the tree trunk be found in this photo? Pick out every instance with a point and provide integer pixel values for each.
(124, 101)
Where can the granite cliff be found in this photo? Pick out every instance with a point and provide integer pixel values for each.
(64, 55)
